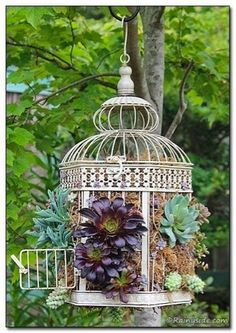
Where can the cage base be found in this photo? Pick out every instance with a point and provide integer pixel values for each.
(138, 300)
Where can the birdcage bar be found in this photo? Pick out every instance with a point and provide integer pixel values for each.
(28, 269)
(37, 267)
(85, 201)
(145, 239)
(46, 264)
(55, 258)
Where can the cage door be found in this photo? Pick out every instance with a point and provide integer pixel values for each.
(46, 268)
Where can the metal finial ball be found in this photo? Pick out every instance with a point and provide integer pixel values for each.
(125, 85)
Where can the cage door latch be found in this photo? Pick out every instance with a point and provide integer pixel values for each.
(22, 269)
(116, 171)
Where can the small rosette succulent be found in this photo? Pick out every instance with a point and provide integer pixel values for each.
(180, 221)
(173, 281)
(113, 222)
(194, 283)
(98, 262)
(126, 283)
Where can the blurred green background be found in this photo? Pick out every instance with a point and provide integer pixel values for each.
(51, 47)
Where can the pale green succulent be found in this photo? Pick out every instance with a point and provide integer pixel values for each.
(194, 283)
(57, 298)
(173, 281)
(179, 223)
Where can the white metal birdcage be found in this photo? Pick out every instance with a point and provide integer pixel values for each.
(127, 157)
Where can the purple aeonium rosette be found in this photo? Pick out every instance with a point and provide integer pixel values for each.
(97, 262)
(114, 222)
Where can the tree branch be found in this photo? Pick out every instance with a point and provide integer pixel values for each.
(69, 66)
(107, 55)
(72, 42)
(106, 84)
(53, 60)
(182, 104)
(136, 62)
(73, 84)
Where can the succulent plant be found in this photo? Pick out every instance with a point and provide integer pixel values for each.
(97, 262)
(180, 222)
(126, 283)
(57, 298)
(194, 283)
(113, 222)
(51, 224)
(203, 213)
(173, 281)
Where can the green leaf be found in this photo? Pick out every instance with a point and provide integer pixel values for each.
(34, 14)
(21, 136)
(16, 109)
(10, 157)
(170, 233)
(23, 162)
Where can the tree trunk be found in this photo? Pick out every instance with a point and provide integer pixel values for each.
(148, 317)
(153, 30)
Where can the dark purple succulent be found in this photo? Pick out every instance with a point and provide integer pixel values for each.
(97, 262)
(114, 222)
(126, 283)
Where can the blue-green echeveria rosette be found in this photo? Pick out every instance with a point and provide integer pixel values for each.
(180, 221)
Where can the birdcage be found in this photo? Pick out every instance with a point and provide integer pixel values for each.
(127, 159)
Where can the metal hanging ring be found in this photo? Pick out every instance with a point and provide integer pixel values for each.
(127, 18)
(124, 58)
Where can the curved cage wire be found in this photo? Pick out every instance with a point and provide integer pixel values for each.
(135, 146)
(126, 113)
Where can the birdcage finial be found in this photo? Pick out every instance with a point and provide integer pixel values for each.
(125, 85)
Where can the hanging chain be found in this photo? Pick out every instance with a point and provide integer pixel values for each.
(125, 58)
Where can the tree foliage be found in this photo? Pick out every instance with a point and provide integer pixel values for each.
(50, 48)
